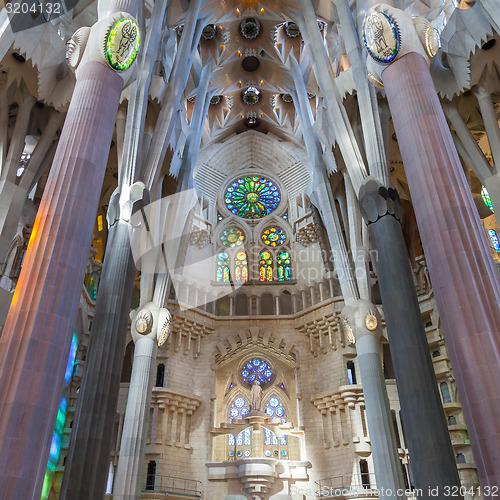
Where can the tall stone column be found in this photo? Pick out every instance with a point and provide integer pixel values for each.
(362, 321)
(149, 326)
(465, 281)
(32, 348)
(385, 454)
(91, 439)
(432, 459)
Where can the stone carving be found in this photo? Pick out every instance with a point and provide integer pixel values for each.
(256, 397)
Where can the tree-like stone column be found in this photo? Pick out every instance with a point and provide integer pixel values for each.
(465, 281)
(362, 321)
(34, 344)
(432, 459)
(150, 326)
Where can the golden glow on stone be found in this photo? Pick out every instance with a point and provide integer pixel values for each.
(432, 41)
(371, 322)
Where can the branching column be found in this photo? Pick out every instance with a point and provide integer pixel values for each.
(33, 346)
(465, 281)
(432, 459)
(150, 325)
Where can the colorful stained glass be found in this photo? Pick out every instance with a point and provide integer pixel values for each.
(252, 197)
(273, 236)
(223, 268)
(241, 268)
(270, 437)
(238, 409)
(266, 266)
(284, 266)
(486, 198)
(232, 237)
(274, 409)
(494, 239)
(244, 438)
(256, 369)
(251, 96)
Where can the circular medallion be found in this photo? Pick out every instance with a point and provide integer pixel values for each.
(286, 98)
(209, 32)
(122, 44)
(348, 331)
(141, 325)
(292, 30)
(165, 331)
(232, 237)
(250, 28)
(371, 322)
(215, 100)
(381, 37)
(251, 96)
(143, 321)
(273, 236)
(432, 41)
(252, 197)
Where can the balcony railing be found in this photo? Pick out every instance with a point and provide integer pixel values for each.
(170, 485)
(349, 485)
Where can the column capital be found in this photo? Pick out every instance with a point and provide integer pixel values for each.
(377, 201)
(152, 322)
(360, 319)
(113, 42)
(123, 204)
(390, 33)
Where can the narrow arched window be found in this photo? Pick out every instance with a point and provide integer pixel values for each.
(365, 474)
(160, 375)
(351, 373)
(151, 475)
(241, 268)
(284, 266)
(223, 268)
(461, 458)
(266, 266)
(445, 392)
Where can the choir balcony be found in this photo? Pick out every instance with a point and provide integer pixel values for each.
(175, 488)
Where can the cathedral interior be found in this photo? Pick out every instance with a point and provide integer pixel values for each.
(248, 249)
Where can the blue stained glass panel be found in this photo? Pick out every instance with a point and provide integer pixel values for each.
(256, 369)
(494, 239)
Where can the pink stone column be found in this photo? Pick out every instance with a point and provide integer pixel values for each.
(33, 347)
(465, 281)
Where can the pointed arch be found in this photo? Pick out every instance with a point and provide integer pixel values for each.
(266, 266)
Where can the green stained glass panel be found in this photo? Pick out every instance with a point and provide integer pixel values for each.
(252, 197)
